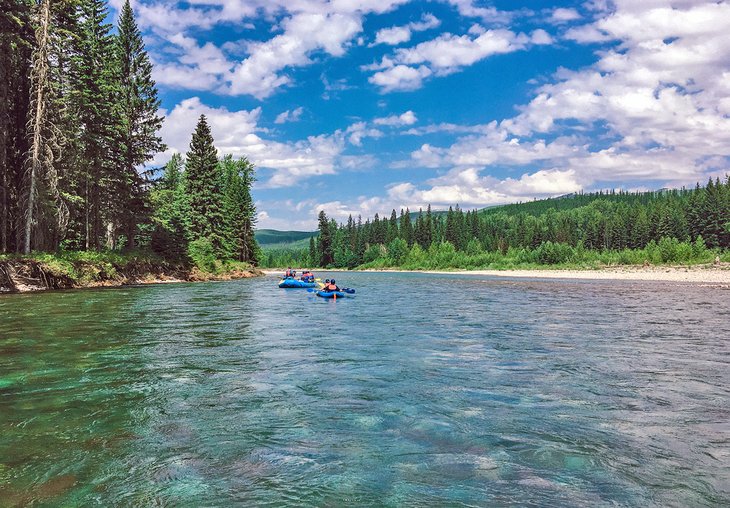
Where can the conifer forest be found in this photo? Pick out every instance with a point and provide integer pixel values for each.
(79, 129)
(585, 229)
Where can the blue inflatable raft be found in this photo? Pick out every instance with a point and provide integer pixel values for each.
(330, 294)
(291, 282)
(346, 292)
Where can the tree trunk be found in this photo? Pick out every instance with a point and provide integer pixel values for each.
(131, 233)
(4, 122)
(40, 74)
(87, 208)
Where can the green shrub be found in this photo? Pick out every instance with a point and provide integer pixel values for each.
(474, 247)
(371, 253)
(550, 253)
(700, 250)
(202, 253)
(398, 250)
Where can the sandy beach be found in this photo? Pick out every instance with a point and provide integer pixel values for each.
(714, 275)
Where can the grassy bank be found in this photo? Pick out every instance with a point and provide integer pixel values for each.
(548, 255)
(62, 270)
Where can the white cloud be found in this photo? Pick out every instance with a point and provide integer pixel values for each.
(448, 128)
(360, 130)
(289, 116)
(307, 27)
(562, 15)
(406, 68)
(196, 67)
(487, 14)
(183, 77)
(448, 52)
(400, 77)
(496, 146)
(399, 34)
(237, 133)
(586, 34)
(407, 118)
(540, 37)
(393, 36)
(655, 108)
(259, 74)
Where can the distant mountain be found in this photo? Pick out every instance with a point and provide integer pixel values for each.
(274, 239)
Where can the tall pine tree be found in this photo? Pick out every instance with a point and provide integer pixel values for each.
(326, 254)
(16, 44)
(203, 186)
(94, 92)
(139, 124)
(239, 209)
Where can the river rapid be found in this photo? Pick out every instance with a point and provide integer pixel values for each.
(423, 390)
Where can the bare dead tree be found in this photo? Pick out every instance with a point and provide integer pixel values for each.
(41, 173)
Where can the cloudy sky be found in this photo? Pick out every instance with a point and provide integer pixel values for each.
(361, 106)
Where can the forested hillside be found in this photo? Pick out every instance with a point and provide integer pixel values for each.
(583, 229)
(79, 126)
(266, 237)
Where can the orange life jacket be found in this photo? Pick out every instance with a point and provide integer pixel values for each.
(331, 287)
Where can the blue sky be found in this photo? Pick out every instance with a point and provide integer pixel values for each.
(361, 106)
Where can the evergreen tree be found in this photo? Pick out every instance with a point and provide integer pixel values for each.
(351, 234)
(419, 231)
(640, 229)
(380, 229)
(429, 233)
(16, 44)
(715, 215)
(392, 227)
(203, 189)
(138, 138)
(239, 209)
(450, 234)
(169, 220)
(172, 176)
(94, 90)
(326, 254)
(405, 227)
(313, 261)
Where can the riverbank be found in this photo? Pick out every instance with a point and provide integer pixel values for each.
(22, 274)
(712, 274)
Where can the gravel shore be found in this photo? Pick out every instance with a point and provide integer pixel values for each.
(716, 275)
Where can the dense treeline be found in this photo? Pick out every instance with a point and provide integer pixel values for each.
(203, 206)
(78, 120)
(655, 227)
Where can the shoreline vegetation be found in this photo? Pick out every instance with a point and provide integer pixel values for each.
(81, 204)
(74, 270)
(583, 231)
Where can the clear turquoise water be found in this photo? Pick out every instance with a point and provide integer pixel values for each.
(424, 390)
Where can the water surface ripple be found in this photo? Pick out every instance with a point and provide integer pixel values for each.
(423, 390)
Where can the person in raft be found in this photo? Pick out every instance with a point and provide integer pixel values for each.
(288, 273)
(330, 286)
(307, 276)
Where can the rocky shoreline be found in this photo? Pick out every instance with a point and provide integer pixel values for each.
(29, 275)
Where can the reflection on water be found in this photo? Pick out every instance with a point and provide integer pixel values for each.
(423, 390)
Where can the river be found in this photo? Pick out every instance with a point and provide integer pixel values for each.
(423, 390)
